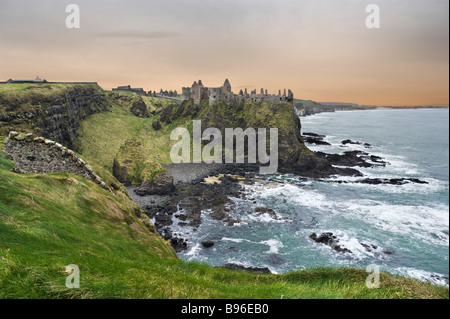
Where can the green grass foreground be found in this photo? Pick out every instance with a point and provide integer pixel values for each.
(50, 221)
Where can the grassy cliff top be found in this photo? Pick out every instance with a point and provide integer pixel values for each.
(12, 91)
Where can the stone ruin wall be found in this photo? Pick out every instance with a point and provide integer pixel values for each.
(199, 92)
(39, 155)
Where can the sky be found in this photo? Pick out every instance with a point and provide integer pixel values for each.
(320, 49)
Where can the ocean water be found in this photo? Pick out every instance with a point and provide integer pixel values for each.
(411, 220)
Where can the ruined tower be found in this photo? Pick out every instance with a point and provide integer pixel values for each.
(196, 92)
(199, 92)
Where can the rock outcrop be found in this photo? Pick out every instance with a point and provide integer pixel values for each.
(131, 167)
(161, 184)
(331, 240)
(293, 155)
(139, 108)
(131, 164)
(56, 116)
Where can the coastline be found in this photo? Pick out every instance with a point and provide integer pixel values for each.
(219, 211)
(368, 108)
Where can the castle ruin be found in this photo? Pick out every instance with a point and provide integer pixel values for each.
(199, 92)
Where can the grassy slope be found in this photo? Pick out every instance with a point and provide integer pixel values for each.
(9, 89)
(41, 232)
(101, 135)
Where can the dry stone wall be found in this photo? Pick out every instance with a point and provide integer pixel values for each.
(33, 154)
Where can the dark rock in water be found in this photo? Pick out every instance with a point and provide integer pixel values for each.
(377, 159)
(440, 279)
(219, 213)
(330, 240)
(345, 142)
(314, 135)
(366, 145)
(312, 138)
(167, 235)
(366, 246)
(162, 184)
(255, 270)
(208, 244)
(380, 181)
(276, 260)
(369, 247)
(352, 158)
(392, 181)
(179, 244)
(324, 238)
(373, 248)
(265, 210)
(162, 219)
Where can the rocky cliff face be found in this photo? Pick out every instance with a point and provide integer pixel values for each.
(294, 156)
(54, 116)
(62, 119)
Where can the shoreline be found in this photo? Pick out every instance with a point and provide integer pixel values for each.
(192, 175)
(377, 108)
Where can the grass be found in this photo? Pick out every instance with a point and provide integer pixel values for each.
(132, 156)
(119, 125)
(41, 232)
(44, 89)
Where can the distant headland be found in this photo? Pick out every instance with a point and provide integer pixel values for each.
(197, 92)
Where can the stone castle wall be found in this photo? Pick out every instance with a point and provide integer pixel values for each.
(39, 155)
(199, 92)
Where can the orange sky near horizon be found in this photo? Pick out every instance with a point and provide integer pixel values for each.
(320, 49)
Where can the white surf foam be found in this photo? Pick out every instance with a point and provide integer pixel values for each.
(422, 275)
(301, 196)
(193, 253)
(420, 222)
(235, 240)
(274, 245)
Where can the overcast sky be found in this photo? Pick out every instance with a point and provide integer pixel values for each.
(321, 49)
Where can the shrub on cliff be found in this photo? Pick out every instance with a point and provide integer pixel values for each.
(139, 108)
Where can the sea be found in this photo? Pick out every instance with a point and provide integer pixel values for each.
(406, 227)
